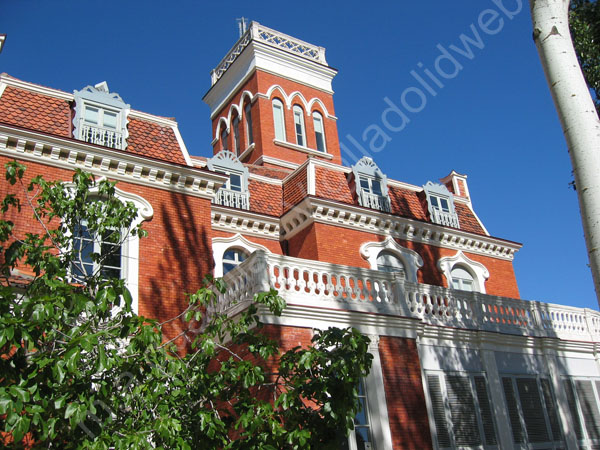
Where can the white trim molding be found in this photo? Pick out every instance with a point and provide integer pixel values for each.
(412, 260)
(301, 148)
(478, 270)
(239, 221)
(221, 244)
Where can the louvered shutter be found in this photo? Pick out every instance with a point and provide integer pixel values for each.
(589, 408)
(573, 409)
(439, 414)
(486, 411)
(551, 409)
(513, 411)
(533, 414)
(462, 408)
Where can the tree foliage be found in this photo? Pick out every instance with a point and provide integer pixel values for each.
(584, 22)
(80, 370)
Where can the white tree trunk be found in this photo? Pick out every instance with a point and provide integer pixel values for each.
(577, 115)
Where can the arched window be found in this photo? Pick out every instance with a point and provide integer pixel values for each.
(278, 120)
(236, 135)
(232, 258)
(224, 136)
(299, 126)
(462, 279)
(319, 131)
(248, 114)
(389, 262)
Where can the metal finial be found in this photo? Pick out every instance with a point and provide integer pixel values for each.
(242, 25)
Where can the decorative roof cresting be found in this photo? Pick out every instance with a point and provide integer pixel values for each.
(273, 38)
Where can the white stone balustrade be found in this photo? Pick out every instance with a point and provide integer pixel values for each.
(445, 218)
(235, 199)
(375, 201)
(101, 136)
(314, 283)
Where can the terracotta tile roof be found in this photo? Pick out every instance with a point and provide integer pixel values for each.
(270, 172)
(265, 198)
(35, 111)
(406, 203)
(467, 220)
(47, 114)
(153, 140)
(333, 185)
(294, 190)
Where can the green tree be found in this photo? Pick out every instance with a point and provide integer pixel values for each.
(584, 23)
(80, 370)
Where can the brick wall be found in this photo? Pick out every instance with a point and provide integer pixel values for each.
(407, 410)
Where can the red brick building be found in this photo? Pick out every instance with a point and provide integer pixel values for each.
(459, 359)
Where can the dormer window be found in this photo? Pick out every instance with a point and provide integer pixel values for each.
(371, 185)
(440, 202)
(234, 192)
(100, 117)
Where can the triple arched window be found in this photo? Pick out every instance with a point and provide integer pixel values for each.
(300, 134)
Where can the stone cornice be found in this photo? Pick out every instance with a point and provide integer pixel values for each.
(248, 223)
(319, 210)
(71, 154)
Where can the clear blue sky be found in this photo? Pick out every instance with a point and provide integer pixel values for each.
(494, 120)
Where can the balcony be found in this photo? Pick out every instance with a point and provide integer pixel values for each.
(234, 199)
(100, 136)
(374, 201)
(447, 219)
(316, 284)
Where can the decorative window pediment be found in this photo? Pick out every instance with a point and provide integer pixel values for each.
(440, 203)
(371, 185)
(100, 117)
(231, 251)
(389, 256)
(463, 273)
(235, 192)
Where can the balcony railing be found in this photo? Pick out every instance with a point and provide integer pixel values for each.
(375, 201)
(235, 199)
(444, 218)
(100, 136)
(317, 284)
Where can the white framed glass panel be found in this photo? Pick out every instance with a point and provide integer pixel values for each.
(319, 131)
(108, 253)
(91, 115)
(278, 120)
(232, 258)
(235, 182)
(462, 279)
(249, 134)
(110, 119)
(388, 262)
(236, 135)
(299, 126)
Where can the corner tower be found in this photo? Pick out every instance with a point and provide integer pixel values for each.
(271, 100)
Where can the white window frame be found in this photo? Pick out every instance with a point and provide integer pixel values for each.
(366, 169)
(530, 445)
(436, 193)
(99, 97)
(130, 246)
(460, 282)
(249, 132)
(278, 119)
(96, 244)
(319, 127)
(476, 269)
(586, 441)
(442, 374)
(227, 163)
(299, 127)
(412, 260)
(221, 244)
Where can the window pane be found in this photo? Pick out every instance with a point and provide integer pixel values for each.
(439, 410)
(364, 184)
(487, 417)
(299, 125)
(91, 115)
(319, 131)
(278, 120)
(434, 202)
(248, 112)
(444, 205)
(110, 119)
(235, 182)
(513, 411)
(462, 408)
(533, 414)
(376, 185)
(236, 135)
